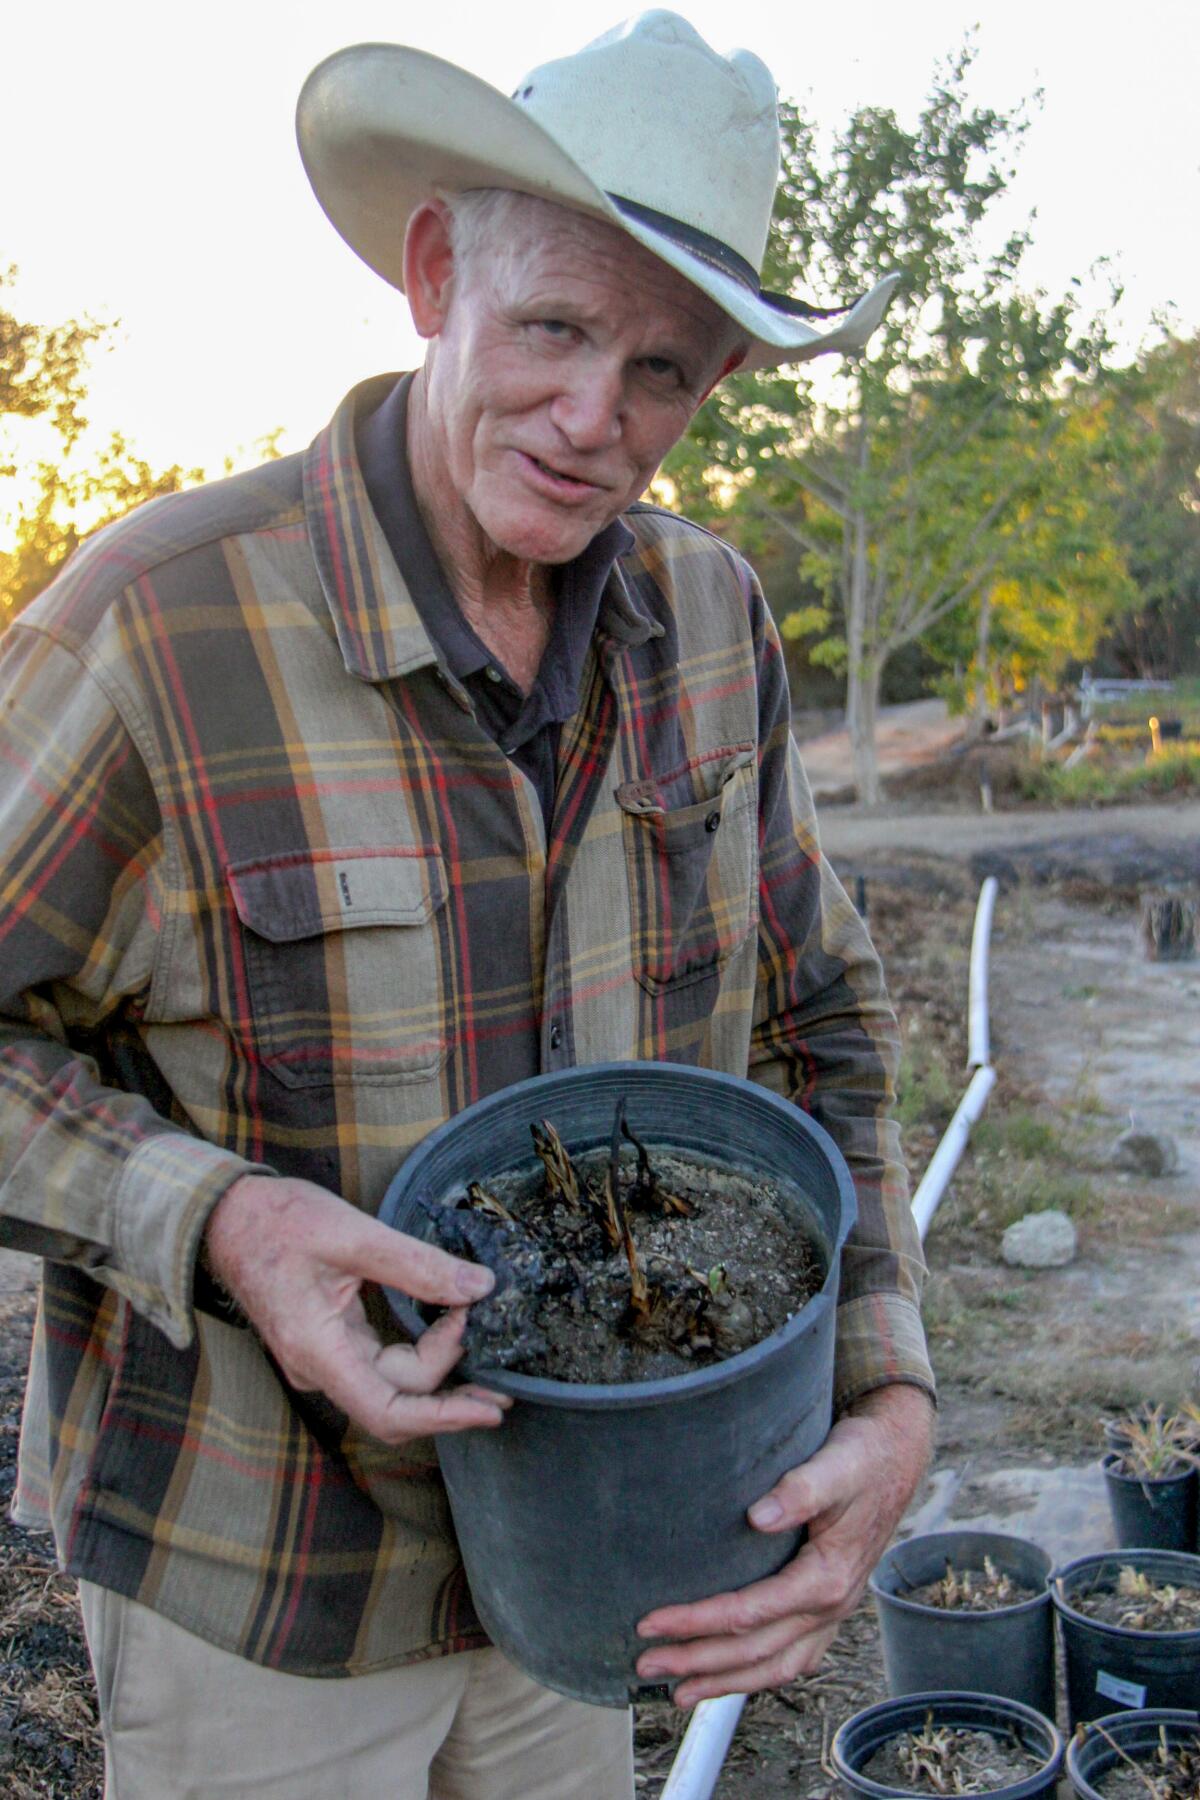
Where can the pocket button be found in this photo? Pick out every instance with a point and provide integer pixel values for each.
(712, 821)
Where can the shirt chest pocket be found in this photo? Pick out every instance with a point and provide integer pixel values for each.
(693, 867)
(343, 954)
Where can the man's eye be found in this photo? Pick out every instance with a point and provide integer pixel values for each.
(662, 369)
(556, 328)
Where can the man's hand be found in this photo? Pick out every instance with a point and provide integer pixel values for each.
(851, 1495)
(295, 1256)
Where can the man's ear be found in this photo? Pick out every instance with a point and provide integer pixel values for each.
(428, 267)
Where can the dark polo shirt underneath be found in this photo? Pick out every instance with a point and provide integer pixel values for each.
(526, 726)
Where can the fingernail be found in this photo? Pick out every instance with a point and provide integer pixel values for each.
(649, 1670)
(474, 1282)
(766, 1512)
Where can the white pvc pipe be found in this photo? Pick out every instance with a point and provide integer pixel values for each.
(944, 1161)
(978, 1051)
(697, 1766)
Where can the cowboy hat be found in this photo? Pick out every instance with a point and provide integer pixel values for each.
(646, 128)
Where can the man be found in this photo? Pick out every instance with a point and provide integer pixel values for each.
(342, 793)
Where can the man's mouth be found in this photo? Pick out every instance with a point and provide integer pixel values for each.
(561, 477)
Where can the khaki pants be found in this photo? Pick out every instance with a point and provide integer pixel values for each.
(185, 1721)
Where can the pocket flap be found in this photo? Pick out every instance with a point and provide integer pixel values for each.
(306, 893)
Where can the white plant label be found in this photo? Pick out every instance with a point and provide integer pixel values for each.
(1125, 1693)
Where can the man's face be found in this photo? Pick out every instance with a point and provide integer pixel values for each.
(569, 361)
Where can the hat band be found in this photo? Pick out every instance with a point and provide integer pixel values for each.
(711, 250)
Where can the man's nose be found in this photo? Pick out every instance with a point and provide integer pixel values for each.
(589, 407)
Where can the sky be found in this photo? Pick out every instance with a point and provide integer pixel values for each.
(151, 176)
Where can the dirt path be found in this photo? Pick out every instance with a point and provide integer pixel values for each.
(1114, 832)
(1083, 1020)
(907, 736)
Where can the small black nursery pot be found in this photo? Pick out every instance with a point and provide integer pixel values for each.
(1111, 1666)
(594, 1504)
(1007, 1651)
(1157, 1511)
(1098, 1748)
(858, 1740)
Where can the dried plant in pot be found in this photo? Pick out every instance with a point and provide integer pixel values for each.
(1148, 1754)
(1130, 1624)
(598, 1500)
(948, 1743)
(967, 1610)
(1152, 1475)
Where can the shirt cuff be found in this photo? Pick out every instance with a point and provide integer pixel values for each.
(168, 1188)
(880, 1340)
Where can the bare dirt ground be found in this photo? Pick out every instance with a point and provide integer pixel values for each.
(1028, 1362)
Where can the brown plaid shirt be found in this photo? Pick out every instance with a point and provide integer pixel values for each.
(272, 899)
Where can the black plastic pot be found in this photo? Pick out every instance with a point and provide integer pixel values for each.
(1111, 1666)
(1093, 1751)
(591, 1505)
(1158, 1512)
(1009, 1652)
(857, 1741)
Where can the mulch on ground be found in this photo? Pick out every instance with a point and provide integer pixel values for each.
(49, 1739)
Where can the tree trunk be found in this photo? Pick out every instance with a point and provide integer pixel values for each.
(863, 668)
(862, 713)
(979, 685)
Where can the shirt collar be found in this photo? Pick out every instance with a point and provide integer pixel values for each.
(378, 624)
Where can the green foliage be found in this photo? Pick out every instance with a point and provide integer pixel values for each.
(1175, 772)
(1159, 522)
(43, 375)
(1020, 1134)
(42, 370)
(964, 461)
(925, 1090)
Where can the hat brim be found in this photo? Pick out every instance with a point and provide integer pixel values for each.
(381, 127)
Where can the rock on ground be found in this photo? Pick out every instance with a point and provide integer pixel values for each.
(1146, 1152)
(1041, 1240)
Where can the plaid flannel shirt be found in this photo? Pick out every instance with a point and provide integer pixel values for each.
(273, 900)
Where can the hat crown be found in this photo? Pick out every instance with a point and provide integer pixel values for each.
(654, 115)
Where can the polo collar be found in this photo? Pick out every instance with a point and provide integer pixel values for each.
(377, 623)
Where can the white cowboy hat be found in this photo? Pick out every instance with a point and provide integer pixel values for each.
(646, 128)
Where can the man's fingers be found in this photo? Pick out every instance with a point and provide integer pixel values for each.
(819, 1586)
(392, 1258)
(829, 1479)
(422, 1367)
(700, 1656)
(368, 1391)
(775, 1671)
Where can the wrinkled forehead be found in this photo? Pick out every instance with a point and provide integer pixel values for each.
(518, 241)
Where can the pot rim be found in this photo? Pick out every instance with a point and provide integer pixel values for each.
(1114, 1725)
(1191, 1565)
(1016, 1709)
(922, 1609)
(661, 1391)
(1180, 1473)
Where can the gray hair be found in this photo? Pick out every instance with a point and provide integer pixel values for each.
(494, 220)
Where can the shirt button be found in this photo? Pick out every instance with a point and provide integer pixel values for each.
(556, 1037)
(493, 673)
(712, 821)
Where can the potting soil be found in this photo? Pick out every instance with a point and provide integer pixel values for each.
(949, 1759)
(722, 1271)
(1139, 1604)
(971, 1590)
(1166, 1773)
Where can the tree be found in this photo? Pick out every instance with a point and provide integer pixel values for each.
(1159, 515)
(42, 370)
(43, 375)
(915, 486)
